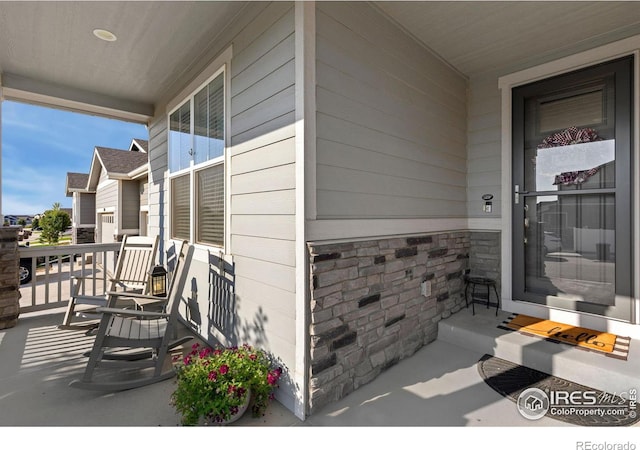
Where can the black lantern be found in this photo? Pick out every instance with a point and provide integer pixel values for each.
(158, 280)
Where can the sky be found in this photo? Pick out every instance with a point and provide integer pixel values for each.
(40, 145)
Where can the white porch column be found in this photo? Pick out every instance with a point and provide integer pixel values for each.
(305, 67)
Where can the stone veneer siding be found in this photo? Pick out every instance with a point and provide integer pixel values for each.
(9, 277)
(84, 235)
(367, 310)
(484, 257)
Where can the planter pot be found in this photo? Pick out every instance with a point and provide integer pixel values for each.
(234, 417)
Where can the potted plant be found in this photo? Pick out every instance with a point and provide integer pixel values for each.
(216, 386)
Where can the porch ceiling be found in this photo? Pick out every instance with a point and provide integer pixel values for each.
(47, 48)
(478, 37)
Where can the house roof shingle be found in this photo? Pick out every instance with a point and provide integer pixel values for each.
(76, 182)
(117, 161)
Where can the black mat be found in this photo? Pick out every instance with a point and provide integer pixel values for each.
(510, 380)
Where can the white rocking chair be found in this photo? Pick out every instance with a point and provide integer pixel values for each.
(136, 258)
(134, 339)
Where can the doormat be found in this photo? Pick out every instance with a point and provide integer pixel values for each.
(583, 338)
(538, 394)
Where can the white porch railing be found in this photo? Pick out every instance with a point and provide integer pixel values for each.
(53, 270)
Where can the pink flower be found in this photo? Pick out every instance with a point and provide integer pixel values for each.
(187, 360)
(253, 357)
(213, 375)
(272, 379)
(224, 369)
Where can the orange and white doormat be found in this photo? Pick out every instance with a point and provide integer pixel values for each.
(583, 338)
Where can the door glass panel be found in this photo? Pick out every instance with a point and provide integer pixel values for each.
(570, 247)
(579, 109)
(569, 139)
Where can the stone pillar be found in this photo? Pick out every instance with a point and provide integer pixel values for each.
(9, 277)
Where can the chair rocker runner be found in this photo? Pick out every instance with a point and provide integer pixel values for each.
(134, 339)
(136, 258)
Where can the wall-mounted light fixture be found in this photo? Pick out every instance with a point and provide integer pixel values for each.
(487, 202)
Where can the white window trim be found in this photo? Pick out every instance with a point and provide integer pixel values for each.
(221, 64)
(609, 52)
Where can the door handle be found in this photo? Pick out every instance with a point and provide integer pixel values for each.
(517, 192)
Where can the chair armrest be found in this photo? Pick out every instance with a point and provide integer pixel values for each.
(136, 295)
(90, 300)
(131, 312)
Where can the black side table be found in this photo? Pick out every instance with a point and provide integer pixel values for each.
(480, 281)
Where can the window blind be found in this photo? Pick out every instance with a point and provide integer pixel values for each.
(210, 205)
(180, 214)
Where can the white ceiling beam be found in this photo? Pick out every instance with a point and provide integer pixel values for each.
(19, 88)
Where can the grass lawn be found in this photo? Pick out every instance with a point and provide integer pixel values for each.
(64, 240)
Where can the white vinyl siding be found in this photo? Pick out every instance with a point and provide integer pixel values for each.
(158, 186)
(261, 208)
(485, 146)
(107, 192)
(144, 193)
(107, 197)
(262, 169)
(391, 121)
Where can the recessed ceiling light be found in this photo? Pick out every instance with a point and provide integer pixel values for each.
(105, 35)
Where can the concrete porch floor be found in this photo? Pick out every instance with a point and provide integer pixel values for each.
(439, 386)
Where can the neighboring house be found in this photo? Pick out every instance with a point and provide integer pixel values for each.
(338, 166)
(11, 220)
(120, 181)
(83, 211)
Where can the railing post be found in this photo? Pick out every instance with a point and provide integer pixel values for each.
(9, 277)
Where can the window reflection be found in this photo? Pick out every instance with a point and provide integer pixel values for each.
(570, 247)
(579, 166)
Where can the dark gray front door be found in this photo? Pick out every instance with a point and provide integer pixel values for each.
(572, 178)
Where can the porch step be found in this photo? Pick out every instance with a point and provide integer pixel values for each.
(481, 333)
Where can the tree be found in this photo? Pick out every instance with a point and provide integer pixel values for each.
(22, 222)
(53, 222)
(35, 223)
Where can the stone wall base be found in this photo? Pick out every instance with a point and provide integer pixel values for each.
(84, 235)
(377, 302)
(9, 277)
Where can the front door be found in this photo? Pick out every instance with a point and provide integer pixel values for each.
(572, 156)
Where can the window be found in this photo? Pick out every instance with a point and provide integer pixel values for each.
(196, 165)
